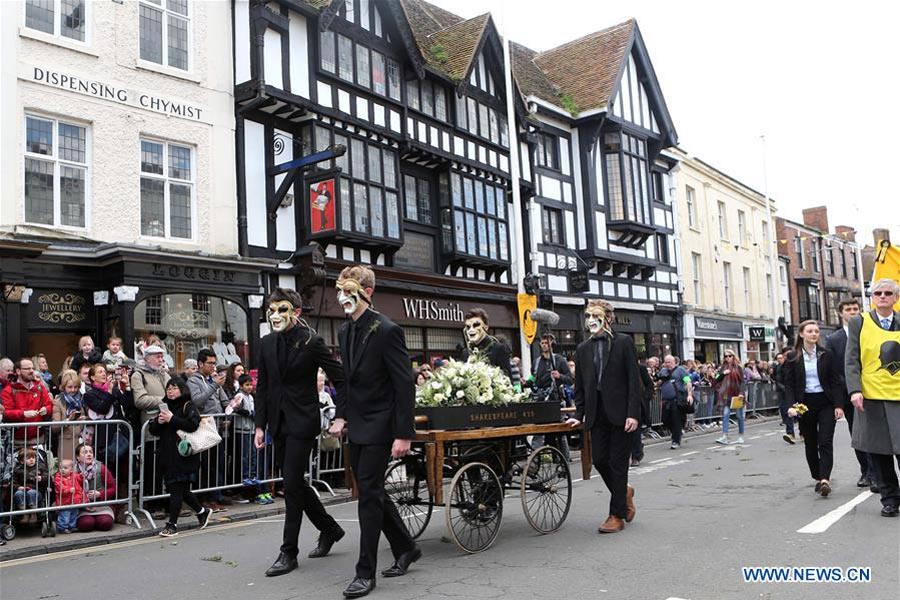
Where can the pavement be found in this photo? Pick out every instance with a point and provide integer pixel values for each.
(704, 512)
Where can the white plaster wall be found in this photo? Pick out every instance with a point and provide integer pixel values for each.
(111, 55)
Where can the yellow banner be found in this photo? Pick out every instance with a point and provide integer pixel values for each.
(527, 303)
(887, 265)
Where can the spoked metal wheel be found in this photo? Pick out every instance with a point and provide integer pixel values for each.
(474, 507)
(546, 489)
(406, 486)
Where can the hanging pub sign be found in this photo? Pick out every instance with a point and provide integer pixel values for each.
(578, 281)
(322, 201)
(527, 303)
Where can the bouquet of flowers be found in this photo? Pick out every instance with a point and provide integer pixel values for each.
(470, 383)
(797, 410)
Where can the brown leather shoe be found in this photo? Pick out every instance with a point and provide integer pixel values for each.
(612, 524)
(629, 505)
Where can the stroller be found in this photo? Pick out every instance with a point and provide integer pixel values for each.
(9, 456)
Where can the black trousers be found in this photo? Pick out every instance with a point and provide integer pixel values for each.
(377, 513)
(292, 455)
(783, 407)
(888, 484)
(611, 454)
(866, 468)
(637, 444)
(180, 491)
(674, 420)
(817, 429)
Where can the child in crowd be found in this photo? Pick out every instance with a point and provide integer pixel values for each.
(69, 492)
(30, 480)
(87, 353)
(244, 428)
(114, 355)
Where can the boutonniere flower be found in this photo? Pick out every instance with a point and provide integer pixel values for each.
(797, 410)
(372, 329)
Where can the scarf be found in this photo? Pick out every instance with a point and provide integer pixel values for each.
(102, 386)
(90, 473)
(73, 403)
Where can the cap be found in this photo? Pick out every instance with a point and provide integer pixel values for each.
(153, 350)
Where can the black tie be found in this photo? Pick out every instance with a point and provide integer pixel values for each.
(351, 342)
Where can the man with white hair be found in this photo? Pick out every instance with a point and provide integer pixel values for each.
(872, 368)
(6, 370)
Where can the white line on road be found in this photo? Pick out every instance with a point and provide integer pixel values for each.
(822, 524)
(692, 452)
(771, 433)
(755, 437)
(653, 462)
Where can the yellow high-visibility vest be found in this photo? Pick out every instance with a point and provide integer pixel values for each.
(879, 357)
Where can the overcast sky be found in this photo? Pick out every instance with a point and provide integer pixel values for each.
(819, 79)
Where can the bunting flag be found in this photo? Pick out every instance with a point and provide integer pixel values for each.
(887, 264)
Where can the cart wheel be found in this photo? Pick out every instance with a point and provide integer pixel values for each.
(8, 532)
(129, 520)
(405, 484)
(45, 529)
(53, 530)
(546, 490)
(474, 507)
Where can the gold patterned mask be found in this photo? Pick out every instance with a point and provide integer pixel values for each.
(597, 317)
(349, 295)
(282, 315)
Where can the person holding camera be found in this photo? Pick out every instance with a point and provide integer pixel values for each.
(675, 384)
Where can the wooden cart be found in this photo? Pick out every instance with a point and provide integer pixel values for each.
(482, 466)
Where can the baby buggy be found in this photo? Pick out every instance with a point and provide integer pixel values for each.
(10, 459)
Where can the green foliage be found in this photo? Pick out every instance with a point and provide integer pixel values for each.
(471, 383)
(569, 104)
(439, 54)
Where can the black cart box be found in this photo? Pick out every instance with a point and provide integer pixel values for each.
(472, 417)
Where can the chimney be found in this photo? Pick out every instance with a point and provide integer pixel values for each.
(816, 217)
(844, 232)
(881, 234)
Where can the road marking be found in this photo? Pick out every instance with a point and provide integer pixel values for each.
(755, 437)
(770, 433)
(653, 462)
(651, 468)
(692, 452)
(822, 524)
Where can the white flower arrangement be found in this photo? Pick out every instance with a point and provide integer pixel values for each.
(470, 383)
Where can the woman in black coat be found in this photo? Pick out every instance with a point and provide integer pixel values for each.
(103, 401)
(810, 379)
(179, 472)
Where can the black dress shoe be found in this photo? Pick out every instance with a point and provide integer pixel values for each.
(863, 482)
(890, 511)
(359, 587)
(285, 563)
(401, 565)
(874, 488)
(326, 541)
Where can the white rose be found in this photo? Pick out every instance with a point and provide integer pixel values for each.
(435, 385)
(460, 394)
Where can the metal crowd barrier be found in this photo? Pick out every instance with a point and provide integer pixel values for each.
(221, 468)
(22, 494)
(325, 461)
(759, 396)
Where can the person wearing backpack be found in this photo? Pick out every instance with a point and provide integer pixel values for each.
(676, 383)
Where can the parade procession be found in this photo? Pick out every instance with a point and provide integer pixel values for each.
(425, 299)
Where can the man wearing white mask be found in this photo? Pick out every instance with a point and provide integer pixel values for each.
(287, 403)
(479, 341)
(379, 412)
(608, 401)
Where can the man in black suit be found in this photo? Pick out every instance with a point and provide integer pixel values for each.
(608, 401)
(287, 402)
(837, 343)
(478, 340)
(379, 412)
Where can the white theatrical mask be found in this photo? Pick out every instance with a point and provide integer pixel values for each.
(348, 301)
(281, 315)
(475, 330)
(594, 324)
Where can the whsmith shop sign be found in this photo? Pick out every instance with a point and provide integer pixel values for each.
(105, 90)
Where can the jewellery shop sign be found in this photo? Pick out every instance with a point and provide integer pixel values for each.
(61, 310)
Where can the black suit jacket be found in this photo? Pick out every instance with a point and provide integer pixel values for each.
(496, 351)
(795, 377)
(621, 387)
(287, 395)
(381, 395)
(836, 343)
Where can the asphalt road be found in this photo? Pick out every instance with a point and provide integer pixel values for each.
(703, 513)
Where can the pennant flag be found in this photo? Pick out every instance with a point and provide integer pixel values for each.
(887, 264)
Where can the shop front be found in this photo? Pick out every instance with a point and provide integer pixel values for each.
(185, 301)
(712, 336)
(432, 320)
(654, 333)
(760, 342)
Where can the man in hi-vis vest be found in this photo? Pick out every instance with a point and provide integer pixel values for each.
(873, 381)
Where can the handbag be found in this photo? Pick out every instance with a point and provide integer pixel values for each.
(205, 437)
(684, 406)
(737, 402)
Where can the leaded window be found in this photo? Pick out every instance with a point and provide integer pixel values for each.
(479, 217)
(167, 188)
(165, 27)
(627, 177)
(56, 172)
(61, 18)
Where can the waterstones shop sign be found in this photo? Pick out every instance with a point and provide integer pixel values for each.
(114, 93)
